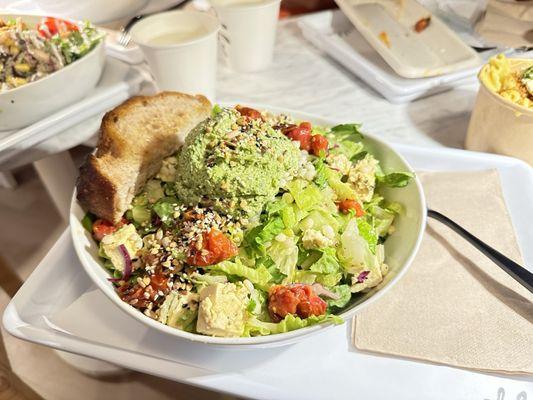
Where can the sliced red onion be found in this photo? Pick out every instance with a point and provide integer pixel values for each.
(127, 262)
(362, 276)
(322, 291)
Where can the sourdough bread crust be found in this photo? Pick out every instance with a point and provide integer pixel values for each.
(126, 158)
(96, 192)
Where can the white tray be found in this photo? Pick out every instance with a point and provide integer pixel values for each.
(324, 366)
(334, 34)
(434, 51)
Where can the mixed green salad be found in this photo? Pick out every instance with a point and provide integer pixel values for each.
(28, 54)
(258, 225)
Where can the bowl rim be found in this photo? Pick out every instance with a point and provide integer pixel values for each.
(164, 47)
(242, 7)
(91, 54)
(281, 338)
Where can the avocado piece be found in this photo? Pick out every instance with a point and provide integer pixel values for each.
(141, 214)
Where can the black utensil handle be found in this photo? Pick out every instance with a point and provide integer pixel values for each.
(137, 18)
(519, 273)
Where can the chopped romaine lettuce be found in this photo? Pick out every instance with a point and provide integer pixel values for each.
(329, 280)
(259, 276)
(257, 238)
(342, 189)
(344, 293)
(327, 263)
(255, 327)
(321, 176)
(395, 179)
(305, 194)
(284, 253)
(367, 232)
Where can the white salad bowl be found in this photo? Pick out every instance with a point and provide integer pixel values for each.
(33, 101)
(400, 249)
(97, 11)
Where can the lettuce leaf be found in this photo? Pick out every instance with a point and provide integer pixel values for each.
(344, 293)
(289, 216)
(354, 251)
(327, 263)
(259, 276)
(284, 253)
(347, 132)
(395, 179)
(348, 139)
(382, 219)
(306, 195)
(304, 276)
(321, 176)
(257, 238)
(216, 110)
(342, 189)
(317, 219)
(358, 156)
(255, 327)
(367, 232)
(329, 280)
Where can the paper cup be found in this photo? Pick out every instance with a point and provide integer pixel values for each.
(498, 125)
(249, 32)
(181, 50)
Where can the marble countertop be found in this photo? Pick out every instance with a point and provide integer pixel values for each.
(305, 79)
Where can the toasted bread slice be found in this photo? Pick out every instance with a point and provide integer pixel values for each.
(134, 139)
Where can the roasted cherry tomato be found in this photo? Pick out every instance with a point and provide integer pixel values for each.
(134, 294)
(296, 299)
(346, 205)
(318, 143)
(300, 133)
(101, 227)
(159, 283)
(50, 26)
(249, 112)
(216, 247)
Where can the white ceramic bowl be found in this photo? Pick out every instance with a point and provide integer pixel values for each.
(97, 11)
(400, 249)
(32, 102)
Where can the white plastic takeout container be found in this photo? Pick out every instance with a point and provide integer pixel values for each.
(388, 26)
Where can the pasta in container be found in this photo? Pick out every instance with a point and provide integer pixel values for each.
(502, 119)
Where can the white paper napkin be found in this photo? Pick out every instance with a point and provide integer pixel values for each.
(455, 306)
